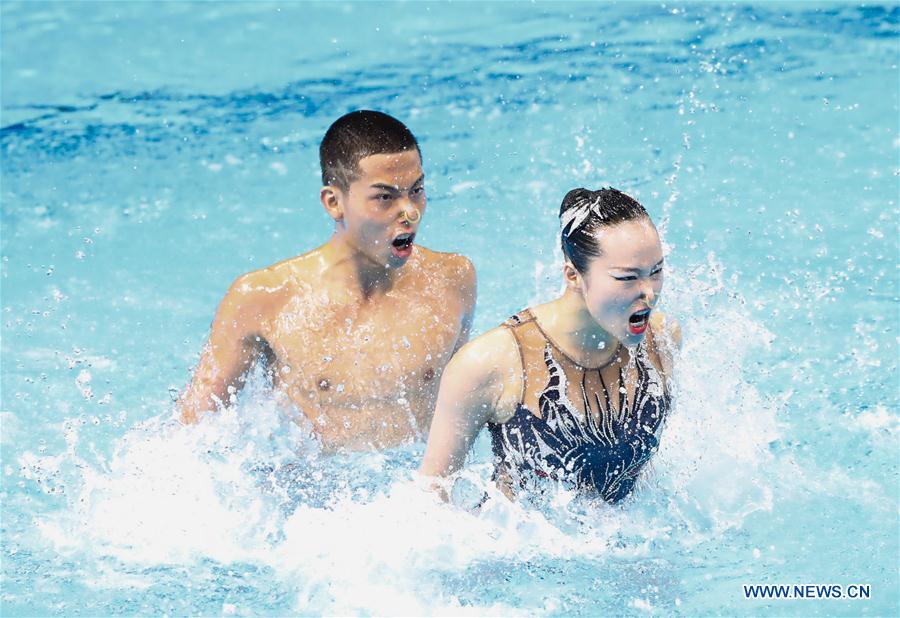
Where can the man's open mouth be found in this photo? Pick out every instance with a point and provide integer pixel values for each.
(402, 245)
(638, 321)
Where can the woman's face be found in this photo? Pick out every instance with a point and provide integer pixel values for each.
(622, 286)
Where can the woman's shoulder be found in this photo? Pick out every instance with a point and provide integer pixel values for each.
(489, 368)
(665, 328)
(666, 340)
(492, 350)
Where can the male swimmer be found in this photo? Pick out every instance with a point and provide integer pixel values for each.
(356, 333)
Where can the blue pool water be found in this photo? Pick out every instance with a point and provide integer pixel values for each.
(152, 152)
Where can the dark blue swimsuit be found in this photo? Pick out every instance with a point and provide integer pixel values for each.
(580, 437)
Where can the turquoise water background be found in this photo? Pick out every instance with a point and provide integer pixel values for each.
(153, 152)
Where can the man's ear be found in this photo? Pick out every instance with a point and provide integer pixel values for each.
(332, 199)
(572, 278)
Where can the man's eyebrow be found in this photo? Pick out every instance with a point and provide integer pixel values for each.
(385, 187)
(636, 270)
(395, 188)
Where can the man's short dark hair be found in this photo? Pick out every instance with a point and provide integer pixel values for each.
(355, 136)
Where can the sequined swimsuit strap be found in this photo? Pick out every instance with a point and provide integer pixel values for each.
(513, 325)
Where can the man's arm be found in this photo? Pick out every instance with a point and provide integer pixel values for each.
(234, 343)
(468, 287)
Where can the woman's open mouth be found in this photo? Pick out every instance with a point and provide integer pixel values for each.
(638, 321)
(402, 245)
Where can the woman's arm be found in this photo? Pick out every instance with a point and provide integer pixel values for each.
(471, 394)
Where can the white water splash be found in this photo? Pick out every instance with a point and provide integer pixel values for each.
(358, 533)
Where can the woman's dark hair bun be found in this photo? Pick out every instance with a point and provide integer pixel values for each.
(574, 198)
(596, 209)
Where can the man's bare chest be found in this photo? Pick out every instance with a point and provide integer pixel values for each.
(350, 356)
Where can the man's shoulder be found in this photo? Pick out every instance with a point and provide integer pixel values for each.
(288, 273)
(274, 282)
(454, 265)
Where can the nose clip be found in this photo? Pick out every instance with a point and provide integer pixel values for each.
(411, 215)
(654, 303)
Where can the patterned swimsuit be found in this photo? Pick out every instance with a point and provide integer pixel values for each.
(580, 436)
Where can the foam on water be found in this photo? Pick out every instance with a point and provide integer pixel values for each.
(248, 485)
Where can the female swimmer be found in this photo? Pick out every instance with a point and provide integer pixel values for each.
(575, 390)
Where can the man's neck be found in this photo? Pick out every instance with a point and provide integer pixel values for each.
(358, 275)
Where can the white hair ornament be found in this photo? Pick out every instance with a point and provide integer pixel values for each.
(575, 216)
